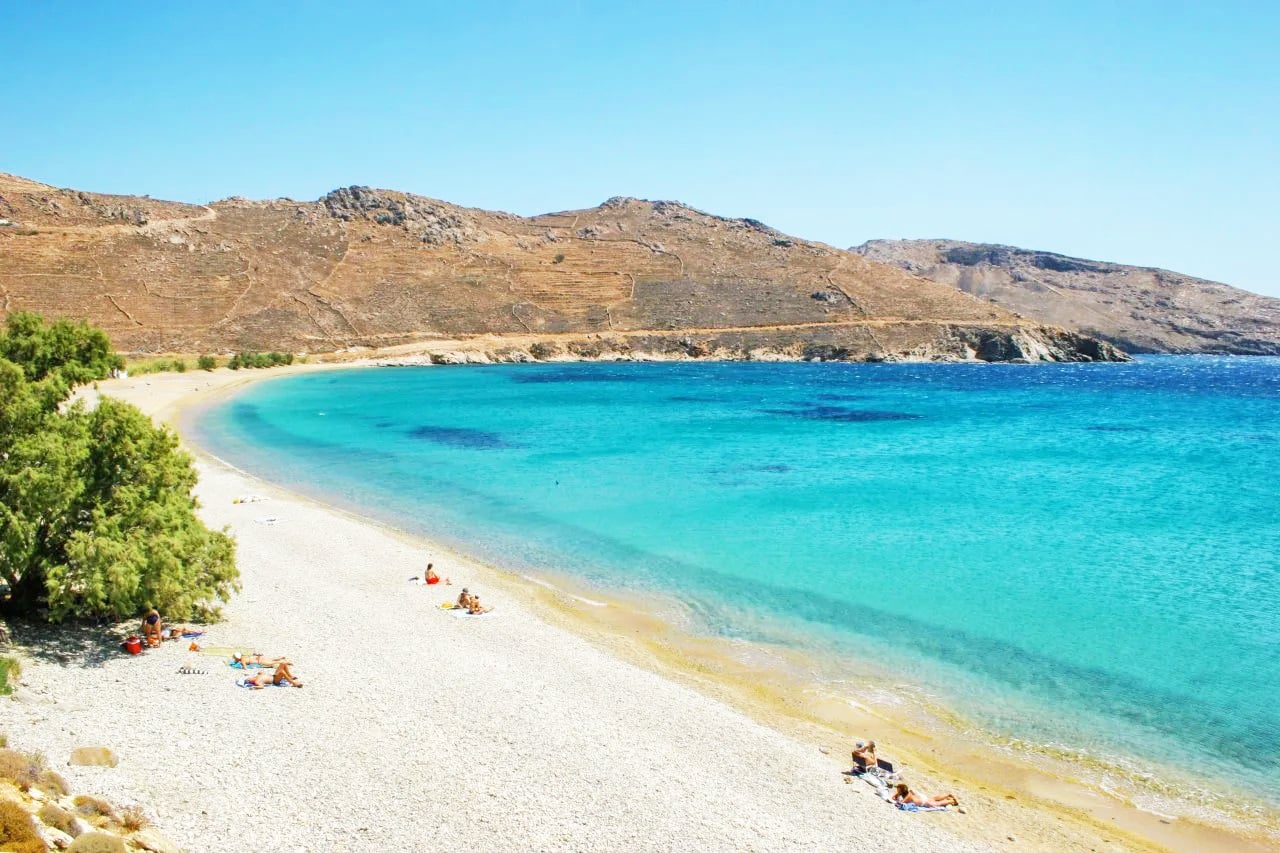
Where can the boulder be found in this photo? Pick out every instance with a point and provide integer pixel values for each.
(149, 839)
(93, 756)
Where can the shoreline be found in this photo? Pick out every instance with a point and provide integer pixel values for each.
(1047, 811)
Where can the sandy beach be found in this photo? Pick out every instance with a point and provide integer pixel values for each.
(418, 730)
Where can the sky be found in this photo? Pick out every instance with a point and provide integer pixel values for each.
(1138, 132)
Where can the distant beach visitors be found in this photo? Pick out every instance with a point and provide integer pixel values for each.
(152, 628)
(465, 599)
(432, 577)
(903, 794)
(475, 609)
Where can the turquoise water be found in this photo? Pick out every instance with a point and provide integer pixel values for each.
(1083, 555)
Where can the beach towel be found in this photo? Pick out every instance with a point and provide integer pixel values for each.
(463, 614)
(912, 807)
(189, 670)
(235, 664)
(187, 635)
(244, 682)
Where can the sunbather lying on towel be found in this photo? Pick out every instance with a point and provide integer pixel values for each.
(903, 794)
(281, 675)
(257, 659)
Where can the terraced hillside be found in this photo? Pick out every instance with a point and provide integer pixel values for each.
(381, 269)
(1140, 309)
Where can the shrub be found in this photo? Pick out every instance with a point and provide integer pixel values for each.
(97, 842)
(206, 362)
(179, 366)
(10, 669)
(19, 768)
(93, 807)
(133, 818)
(18, 831)
(57, 817)
(52, 783)
(96, 512)
(559, 258)
(543, 350)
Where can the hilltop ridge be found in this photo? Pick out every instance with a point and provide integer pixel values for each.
(373, 268)
(1140, 309)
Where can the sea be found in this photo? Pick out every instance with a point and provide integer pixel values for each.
(1078, 559)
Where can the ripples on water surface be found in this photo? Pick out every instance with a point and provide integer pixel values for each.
(1077, 554)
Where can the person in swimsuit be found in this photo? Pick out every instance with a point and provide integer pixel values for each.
(475, 609)
(465, 599)
(903, 794)
(432, 577)
(864, 757)
(257, 658)
(281, 675)
(152, 628)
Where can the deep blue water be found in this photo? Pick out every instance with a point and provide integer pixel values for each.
(1074, 554)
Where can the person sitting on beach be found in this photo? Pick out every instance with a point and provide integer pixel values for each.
(281, 675)
(432, 578)
(465, 599)
(904, 795)
(152, 628)
(864, 757)
(475, 609)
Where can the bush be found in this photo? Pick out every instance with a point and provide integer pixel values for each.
(206, 362)
(52, 783)
(133, 818)
(20, 768)
(97, 842)
(92, 807)
(57, 817)
(10, 669)
(96, 512)
(18, 831)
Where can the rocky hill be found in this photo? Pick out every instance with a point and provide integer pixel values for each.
(363, 268)
(1140, 309)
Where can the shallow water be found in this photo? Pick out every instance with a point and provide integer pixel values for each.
(1073, 555)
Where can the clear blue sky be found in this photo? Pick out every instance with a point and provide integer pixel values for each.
(1140, 132)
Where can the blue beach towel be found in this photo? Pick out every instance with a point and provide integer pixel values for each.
(241, 682)
(235, 664)
(912, 807)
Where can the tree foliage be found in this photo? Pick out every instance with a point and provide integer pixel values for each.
(96, 511)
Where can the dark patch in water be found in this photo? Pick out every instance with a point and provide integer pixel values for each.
(846, 398)
(383, 425)
(771, 469)
(1107, 428)
(841, 413)
(461, 437)
(691, 398)
(588, 373)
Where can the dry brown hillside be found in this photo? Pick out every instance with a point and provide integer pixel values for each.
(1141, 309)
(376, 268)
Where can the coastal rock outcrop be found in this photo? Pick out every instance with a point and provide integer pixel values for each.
(1140, 309)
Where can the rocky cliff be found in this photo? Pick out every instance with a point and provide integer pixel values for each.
(1140, 309)
(364, 268)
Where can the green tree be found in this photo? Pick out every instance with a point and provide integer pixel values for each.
(96, 511)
